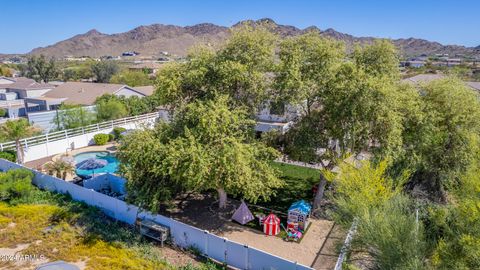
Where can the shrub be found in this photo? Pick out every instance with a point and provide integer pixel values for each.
(117, 132)
(101, 139)
(15, 183)
(3, 112)
(111, 137)
(9, 155)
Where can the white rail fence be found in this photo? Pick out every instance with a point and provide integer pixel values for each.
(218, 248)
(60, 141)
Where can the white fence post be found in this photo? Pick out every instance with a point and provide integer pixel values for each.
(225, 249)
(205, 233)
(346, 246)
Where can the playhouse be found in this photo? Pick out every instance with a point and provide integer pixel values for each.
(298, 215)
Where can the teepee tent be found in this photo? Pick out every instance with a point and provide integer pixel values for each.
(242, 215)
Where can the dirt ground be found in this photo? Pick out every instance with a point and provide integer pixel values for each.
(317, 249)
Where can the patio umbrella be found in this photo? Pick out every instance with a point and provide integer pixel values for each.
(91, 164)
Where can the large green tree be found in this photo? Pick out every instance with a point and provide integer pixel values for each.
(238, 69)
(308, 64)
(104, 70)
(443, 138)
(110, 110)
(357, 110)
(73, 116)
(207, 146)
(40, 69)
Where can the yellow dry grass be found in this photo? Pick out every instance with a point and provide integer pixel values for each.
(57, 234)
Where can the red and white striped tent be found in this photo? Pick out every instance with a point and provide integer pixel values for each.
(271, 225)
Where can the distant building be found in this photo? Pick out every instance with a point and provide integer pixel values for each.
(15, 91)
(130, 53)
(414, 63)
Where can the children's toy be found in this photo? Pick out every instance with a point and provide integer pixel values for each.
(261, 218)
(271, 225)
(298, 214)
(294, 235)
(243, 215)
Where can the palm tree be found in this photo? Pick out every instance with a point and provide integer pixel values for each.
(60, 167)
(67, 168)
(54, 167)
(16, 130)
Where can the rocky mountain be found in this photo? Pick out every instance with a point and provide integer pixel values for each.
(153, 39)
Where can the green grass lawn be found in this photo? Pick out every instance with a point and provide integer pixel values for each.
(298, 185)
(294, 171)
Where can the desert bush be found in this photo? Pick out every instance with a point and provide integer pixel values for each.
(101, 139)
(117, 132)
(9, 155)
(15, 183)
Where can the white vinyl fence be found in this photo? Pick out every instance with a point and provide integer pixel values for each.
(61, 141)
(218, 248)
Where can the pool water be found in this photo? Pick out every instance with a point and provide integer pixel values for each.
(111, 167)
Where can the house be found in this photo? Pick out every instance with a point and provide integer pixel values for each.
(146, 90)
(84, 93)
(276, 116)
(75, 93)
(130, 53)
(415, 64)
(15, 91)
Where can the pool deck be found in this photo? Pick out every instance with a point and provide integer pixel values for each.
(38, 164)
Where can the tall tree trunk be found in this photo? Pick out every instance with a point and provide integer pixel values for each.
(19, 147)
(320, 191)
(64, 175)
(222, 198)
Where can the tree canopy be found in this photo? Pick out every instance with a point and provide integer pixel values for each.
(207, 146)
(40, 69)
(239, 69)
(104, 70)
(131, 78)
(110, 110)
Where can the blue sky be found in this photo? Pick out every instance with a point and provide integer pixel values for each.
(29, 24)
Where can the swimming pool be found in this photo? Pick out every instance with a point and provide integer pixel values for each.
(111, 167)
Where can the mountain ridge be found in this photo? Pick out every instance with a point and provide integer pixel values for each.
(151, 40)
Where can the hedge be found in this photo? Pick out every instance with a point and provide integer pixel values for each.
(101, 139)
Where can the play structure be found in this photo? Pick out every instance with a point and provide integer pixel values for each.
(271, 225)
(297, 222)
(298, 215)
(243, 215)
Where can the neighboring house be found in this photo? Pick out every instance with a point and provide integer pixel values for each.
(15, 91)
(83, 93)
(276, 116)
(76, 93)
(413, 63)
(146, 90)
